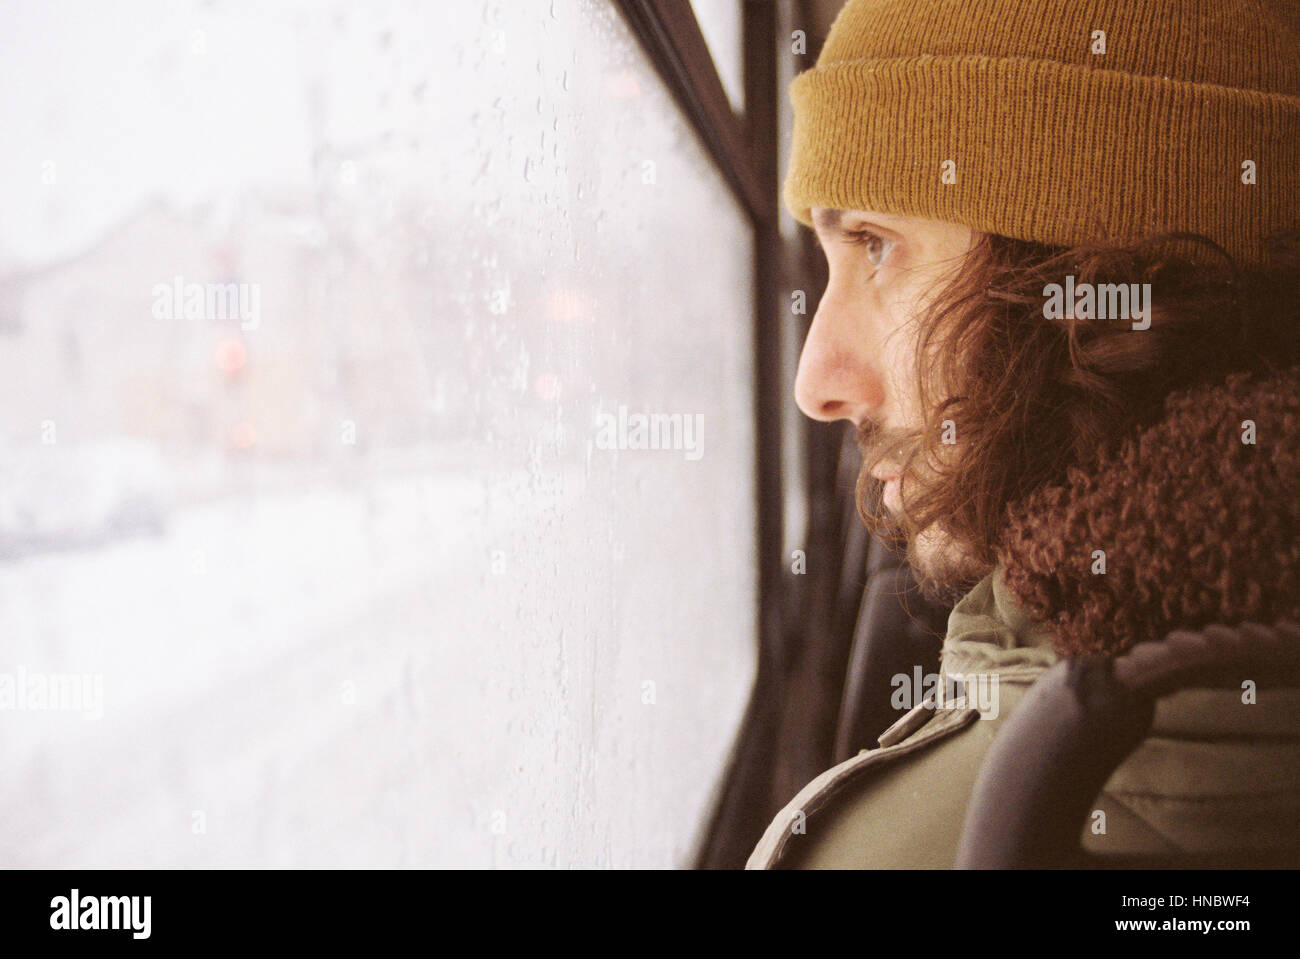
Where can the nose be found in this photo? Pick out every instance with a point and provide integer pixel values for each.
(839, 375)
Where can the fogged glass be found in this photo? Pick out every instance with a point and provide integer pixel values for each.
(376, 481)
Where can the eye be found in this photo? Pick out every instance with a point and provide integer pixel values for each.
(876, 246)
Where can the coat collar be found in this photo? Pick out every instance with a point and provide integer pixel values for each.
(988, 631)
(1190, 520)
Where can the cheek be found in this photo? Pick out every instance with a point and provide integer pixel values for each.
(898, 359)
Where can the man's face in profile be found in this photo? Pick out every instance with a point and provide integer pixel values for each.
(859, 362)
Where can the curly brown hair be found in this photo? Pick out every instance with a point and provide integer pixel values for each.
(1030, 398)
(1192, 525)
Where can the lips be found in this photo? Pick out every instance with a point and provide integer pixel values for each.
(890, 475)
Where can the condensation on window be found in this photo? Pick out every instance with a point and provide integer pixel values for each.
(376, 484)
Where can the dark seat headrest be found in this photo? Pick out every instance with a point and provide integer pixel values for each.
(1081, 719)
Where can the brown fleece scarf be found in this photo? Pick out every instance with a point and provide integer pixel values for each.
(1194, 520)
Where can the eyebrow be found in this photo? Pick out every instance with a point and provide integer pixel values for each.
(828, 220)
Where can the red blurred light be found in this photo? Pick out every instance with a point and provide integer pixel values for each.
(232, 356)
(570, 305)
(623, 85)
(241, 437)
(548, 386)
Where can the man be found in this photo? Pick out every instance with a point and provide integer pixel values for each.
(1063, 314)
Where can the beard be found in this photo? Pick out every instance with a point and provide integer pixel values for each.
(944, 568)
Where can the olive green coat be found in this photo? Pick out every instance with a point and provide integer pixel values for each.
(1215, 773)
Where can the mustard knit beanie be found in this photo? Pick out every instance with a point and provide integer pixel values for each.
(1060, 121)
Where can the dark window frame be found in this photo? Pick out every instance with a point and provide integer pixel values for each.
(671, 36)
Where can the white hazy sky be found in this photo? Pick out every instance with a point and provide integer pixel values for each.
(190, 101)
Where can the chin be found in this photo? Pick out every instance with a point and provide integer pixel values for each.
(944, 571)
